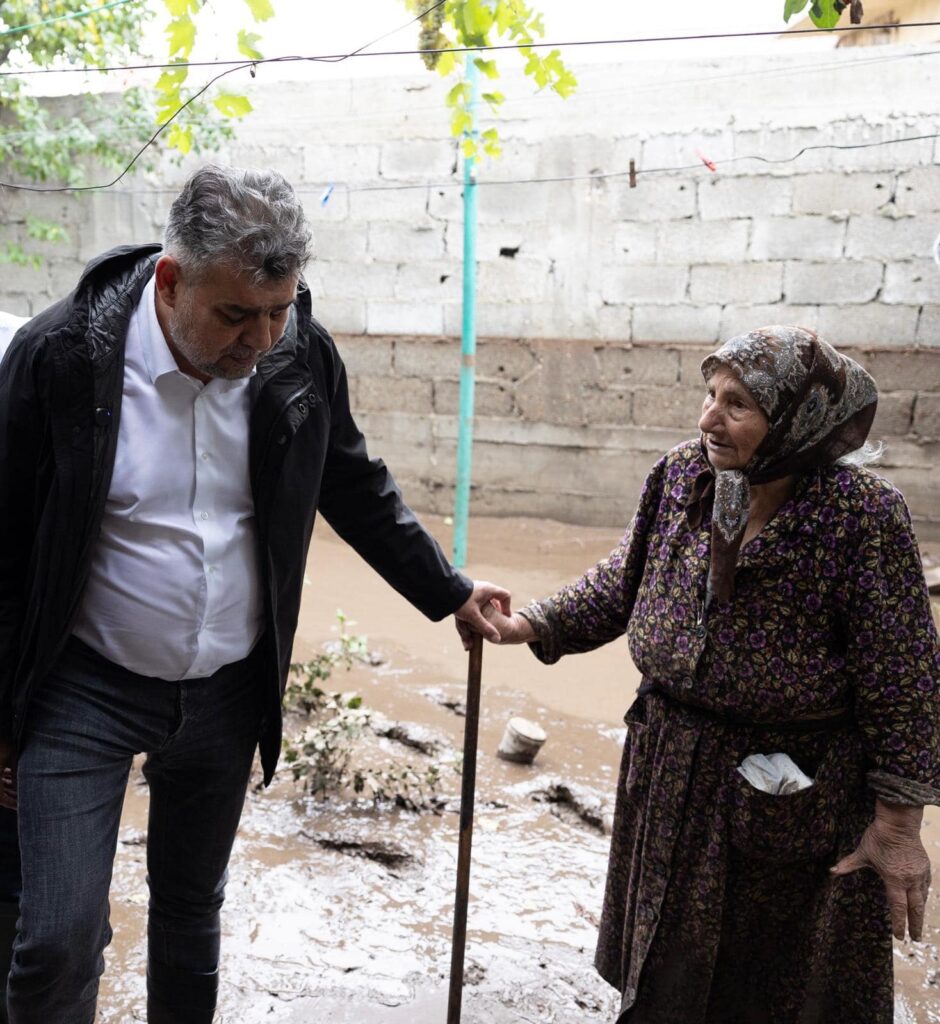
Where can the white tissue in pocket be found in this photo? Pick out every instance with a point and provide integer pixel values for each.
(774, 773)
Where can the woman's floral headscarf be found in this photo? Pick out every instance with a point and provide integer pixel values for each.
(820, 406)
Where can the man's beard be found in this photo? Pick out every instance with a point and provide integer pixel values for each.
(186, 339)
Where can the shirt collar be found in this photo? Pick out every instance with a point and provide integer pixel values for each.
(157, 355)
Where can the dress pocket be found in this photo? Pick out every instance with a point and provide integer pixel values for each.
(636, 749)
(799, 826)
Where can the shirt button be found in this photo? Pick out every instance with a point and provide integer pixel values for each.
(205, 455)
(204, 515)
(687, 683)
(701, 631)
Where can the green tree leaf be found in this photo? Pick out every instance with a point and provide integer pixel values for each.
(792, 7)
(461, 123)
(459, 94)
(487, 67)
(826, 13)
(180, 137)
(170, 80)
(479, 23)
(181, 33)
(178, 8)
(565, 84)
(45, 230)
(248, 44)
(261, 10)
(446, 63)
(96, 134)
(232, 105)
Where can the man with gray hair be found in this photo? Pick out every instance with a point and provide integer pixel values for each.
(168, 432)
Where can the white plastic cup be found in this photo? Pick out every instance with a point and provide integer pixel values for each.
(521, 741)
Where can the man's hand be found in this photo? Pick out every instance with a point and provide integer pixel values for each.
(469, 616)
(7, 775)
(891, 846)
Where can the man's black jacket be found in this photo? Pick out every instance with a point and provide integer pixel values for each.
(60, 407)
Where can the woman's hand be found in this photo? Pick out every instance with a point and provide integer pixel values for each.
(504, 626)
(471, 616)
(891, 846)
(513, 628)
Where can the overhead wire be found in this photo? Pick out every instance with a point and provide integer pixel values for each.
(317, 119)
(191, 99)
(362, 51)
(490, 47)
(700, 166)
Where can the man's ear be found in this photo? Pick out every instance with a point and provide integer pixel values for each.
(167, 278)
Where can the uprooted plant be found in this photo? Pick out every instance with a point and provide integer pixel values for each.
(327, 754)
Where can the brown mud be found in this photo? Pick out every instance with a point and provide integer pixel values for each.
(313, 933)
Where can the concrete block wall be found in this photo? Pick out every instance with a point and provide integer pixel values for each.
(596, 300)
(569, 428)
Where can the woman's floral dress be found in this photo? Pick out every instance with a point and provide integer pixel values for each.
(719, 906)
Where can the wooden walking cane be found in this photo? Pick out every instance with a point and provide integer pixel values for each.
(467, 788)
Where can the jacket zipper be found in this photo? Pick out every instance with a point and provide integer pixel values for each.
(282, 412)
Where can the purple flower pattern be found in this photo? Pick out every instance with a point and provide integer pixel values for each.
(719, 905)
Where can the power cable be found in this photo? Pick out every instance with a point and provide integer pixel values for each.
(638, 171)
(338, 57)
(166, 124)
(360, 51)
(657, 86)
(597, 176)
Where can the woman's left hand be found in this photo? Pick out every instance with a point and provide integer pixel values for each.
(891, 846)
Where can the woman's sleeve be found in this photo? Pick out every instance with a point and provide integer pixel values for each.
(595, 609)
(894, 657)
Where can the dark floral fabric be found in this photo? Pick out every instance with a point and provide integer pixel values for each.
(719, 907)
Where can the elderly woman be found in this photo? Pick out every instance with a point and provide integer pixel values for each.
(774, 602)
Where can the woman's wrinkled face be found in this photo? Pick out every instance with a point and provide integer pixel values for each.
(732, 424)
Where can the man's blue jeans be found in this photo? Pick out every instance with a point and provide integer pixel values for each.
(86, 722)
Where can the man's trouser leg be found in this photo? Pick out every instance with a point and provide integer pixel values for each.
(71, 777)
(86, 721)
(197, 789)
(9, 898)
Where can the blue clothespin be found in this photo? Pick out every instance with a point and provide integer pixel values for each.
(325, 198)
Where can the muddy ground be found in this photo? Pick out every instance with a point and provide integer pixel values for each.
(313, 933)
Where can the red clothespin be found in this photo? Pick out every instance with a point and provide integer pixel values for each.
(710, 164)
(633, 174)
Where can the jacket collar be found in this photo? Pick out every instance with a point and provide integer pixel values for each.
(113, 284)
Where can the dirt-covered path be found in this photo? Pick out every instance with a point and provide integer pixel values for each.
(319, 934)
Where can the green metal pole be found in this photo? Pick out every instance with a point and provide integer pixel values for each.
(468, 338)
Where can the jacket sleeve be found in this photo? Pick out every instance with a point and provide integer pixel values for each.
(893, 655)
(19, 440)
(596, 609)
(361, 501)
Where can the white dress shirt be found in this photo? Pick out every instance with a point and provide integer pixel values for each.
(9, 325)
(174, 587)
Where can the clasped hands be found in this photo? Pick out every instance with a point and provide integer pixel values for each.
(487, 611)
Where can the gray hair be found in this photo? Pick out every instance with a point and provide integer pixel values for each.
(250, 221)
